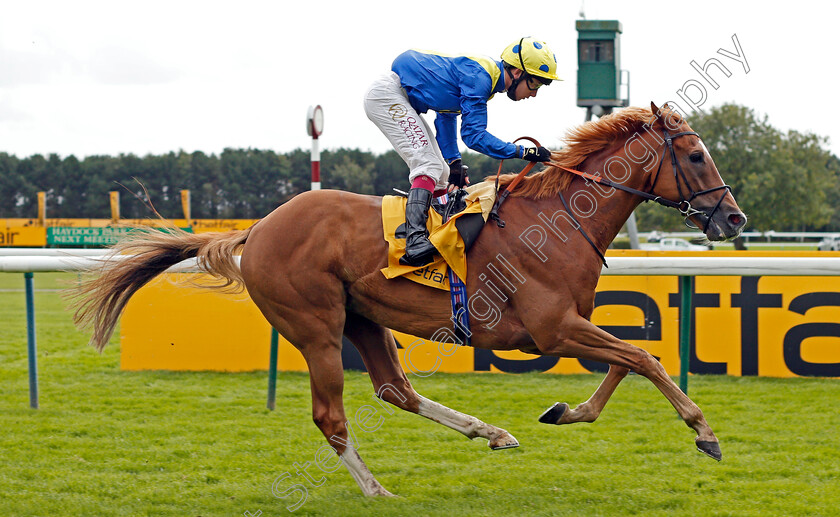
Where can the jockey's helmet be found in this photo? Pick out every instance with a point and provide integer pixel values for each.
(533, 57)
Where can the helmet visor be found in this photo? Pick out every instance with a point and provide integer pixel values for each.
(533, 82)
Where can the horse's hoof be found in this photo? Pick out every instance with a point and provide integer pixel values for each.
(504, 441)
(378, 491)
(553, 414)
(710, 449)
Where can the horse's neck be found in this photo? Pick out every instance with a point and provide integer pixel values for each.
(613, 206)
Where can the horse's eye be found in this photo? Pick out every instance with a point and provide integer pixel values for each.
(696, 157)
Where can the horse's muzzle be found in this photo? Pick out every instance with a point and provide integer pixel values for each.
(723, 224)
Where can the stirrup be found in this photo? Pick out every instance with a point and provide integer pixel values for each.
(424, 257)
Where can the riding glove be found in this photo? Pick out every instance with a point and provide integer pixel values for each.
(458, 173)
(536, 154)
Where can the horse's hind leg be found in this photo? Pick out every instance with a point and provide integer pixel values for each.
(326, 378)
(378, 349)
(316, 332)
(587, 411)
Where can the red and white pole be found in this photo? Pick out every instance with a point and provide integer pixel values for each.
(316, 164)
(314, 128)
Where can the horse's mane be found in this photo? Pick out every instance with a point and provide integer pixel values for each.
(581, 142)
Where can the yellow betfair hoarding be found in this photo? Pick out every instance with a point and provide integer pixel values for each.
(15, 222)
(768, 326)
(178, 327)
(221, 225)
(28, 236)
(71, 222)
(198, 225)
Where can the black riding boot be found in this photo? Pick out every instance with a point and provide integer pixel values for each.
(418, 250)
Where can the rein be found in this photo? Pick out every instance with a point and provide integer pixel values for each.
(683, 206)
(500, 198)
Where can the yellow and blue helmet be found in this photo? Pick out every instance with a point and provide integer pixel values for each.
(532, 56)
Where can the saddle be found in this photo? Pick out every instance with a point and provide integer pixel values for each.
(465, 216)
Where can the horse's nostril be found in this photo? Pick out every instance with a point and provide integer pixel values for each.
(736, 220)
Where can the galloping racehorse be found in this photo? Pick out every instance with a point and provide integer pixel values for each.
(312, 266)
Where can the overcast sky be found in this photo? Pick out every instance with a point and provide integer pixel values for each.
(115, 77)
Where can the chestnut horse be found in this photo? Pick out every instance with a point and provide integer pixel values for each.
(312, 267)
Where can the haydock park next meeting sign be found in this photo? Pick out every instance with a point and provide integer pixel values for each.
(92, 236)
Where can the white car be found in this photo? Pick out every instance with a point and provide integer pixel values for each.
(829, 244)
(672, 244)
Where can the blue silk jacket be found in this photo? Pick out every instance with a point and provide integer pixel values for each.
(452, 86)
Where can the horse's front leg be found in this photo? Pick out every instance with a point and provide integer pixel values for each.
(578, 337)
(587, 411)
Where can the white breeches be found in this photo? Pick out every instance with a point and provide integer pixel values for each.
(387, 105)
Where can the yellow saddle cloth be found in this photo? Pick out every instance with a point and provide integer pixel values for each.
(445, 237)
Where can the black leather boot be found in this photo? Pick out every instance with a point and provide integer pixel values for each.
(418, 250)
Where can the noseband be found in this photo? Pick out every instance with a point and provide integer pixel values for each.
(684, 206)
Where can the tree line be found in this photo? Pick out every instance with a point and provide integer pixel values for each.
(784, 181)
(236, 184)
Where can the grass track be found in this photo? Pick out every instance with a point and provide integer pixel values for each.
(107, 442)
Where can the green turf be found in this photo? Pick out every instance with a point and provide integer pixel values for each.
(106, 442)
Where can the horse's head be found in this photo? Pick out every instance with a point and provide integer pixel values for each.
(686, 174)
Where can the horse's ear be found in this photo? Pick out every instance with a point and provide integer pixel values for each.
(657, 114)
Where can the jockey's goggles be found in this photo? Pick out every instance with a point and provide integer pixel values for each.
(534, 82)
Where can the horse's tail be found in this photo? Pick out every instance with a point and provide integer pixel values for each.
(135, 261)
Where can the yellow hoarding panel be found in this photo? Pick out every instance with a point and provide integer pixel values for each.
(154, 223)
(16, 222)
(30, 236)
(768, 326)
(424, 357)
(86, 223)
(173, 327)
(221, 225)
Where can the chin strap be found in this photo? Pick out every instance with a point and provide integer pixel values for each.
(514, 82)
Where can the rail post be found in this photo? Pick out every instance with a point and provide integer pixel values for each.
(272, 370)
(686, 291)
(30, 338)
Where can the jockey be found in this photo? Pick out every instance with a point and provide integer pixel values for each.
(420, 81)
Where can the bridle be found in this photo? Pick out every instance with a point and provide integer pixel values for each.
(683, 206)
